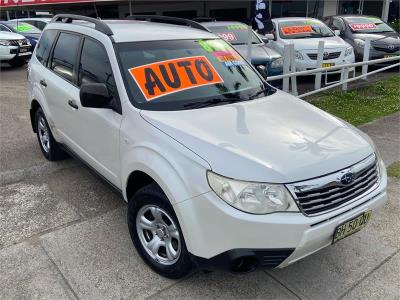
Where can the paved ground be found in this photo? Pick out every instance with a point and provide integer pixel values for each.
(63, 233)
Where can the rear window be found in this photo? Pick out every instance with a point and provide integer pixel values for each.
(44, 46)
(303, 29)
(235, 34)
(172, 75)
(64, 55)
(367, 25)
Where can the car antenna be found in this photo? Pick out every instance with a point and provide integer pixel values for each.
(95, 10)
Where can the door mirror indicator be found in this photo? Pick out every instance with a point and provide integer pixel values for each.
(269, 37)
(96, 95)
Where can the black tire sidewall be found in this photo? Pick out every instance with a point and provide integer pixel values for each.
(152, 194)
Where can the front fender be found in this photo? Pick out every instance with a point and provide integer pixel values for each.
(179, 172)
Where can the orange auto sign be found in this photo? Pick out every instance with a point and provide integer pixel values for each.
(174, 75)
(289, 30)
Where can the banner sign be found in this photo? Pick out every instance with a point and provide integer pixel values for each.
(363, 26)
(174, 75)
(261, 16)
(14, 3)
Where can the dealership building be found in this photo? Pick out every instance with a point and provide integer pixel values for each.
(388, 10)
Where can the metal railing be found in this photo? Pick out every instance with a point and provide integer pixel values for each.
(289, 70)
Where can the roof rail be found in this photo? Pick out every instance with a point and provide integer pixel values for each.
(204, 19)
(98, 24)
(168, 20)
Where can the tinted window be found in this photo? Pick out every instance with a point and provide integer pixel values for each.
(4, 28)
(181, 74)
(95, 66)
(64, 55)
(44, 46)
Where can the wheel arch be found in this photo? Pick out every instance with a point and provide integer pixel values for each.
(32, 112)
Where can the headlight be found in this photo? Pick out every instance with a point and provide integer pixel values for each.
(359, 43)
(349, 51)
(277, 63)
(5, 43)
(252, 197)
(298, 55)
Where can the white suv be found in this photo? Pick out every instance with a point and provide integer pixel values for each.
(219, 169)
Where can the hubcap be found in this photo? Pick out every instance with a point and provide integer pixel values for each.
(158, 234)
(43, 132)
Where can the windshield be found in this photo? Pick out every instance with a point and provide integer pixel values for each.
(303, 29)
(185, 74)
(368, 25)
(235, 34)
(22, 27)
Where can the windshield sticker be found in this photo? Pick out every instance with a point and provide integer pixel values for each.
(289, 30)
(227, 36)
(214, 45)
(22, 28)
(229, 58)
(237, 27)
(363, 26)
(174, 75)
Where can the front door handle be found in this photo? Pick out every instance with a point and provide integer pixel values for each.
(43, 82)
(73, 104)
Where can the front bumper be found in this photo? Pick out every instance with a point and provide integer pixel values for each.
(218, 235)
(374, 54)
(309, 64)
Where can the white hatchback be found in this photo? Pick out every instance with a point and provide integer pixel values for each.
(305, 34)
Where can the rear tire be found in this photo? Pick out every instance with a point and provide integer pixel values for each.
(156, 234)
(49, 146)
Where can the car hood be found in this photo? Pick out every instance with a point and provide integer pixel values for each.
(10, 36)
(277, 139)
(312, 43)
(259, 53)
(32, 35)
(384, 37)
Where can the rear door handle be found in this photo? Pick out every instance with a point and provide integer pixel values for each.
(43, 82)
(73, 104)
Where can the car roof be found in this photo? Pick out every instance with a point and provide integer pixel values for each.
(353, 16)
(47, 20)
(221, 23)
(294, 19)
(135, 31)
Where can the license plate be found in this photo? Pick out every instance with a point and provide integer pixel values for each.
(23, 50)
(389, 55)
(327, 65)
(351, 226)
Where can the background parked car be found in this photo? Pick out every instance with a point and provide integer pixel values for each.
(305, 34)
(354, 29)
(37, 22)
(27, 30)
(267, 61)
(15, 49)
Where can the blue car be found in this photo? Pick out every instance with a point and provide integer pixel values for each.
(27, 30)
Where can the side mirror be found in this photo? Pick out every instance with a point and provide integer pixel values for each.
(338, 32)
(269, 37)
(262, 70)
(268, 26)
(95, 95)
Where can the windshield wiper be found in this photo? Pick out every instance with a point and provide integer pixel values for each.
(211, 102)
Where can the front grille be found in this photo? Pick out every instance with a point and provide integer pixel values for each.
(386, 48)
(327, 193)
(331, 55)
(14, 43)
(19, 42)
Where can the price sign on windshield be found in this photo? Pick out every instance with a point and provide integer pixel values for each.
(363, 26)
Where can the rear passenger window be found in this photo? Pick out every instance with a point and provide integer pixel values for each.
(44, 46)
(95, 66)
(64, 55)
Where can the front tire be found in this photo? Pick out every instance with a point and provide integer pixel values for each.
(17, 62)
(156, 234)
(49, 146)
